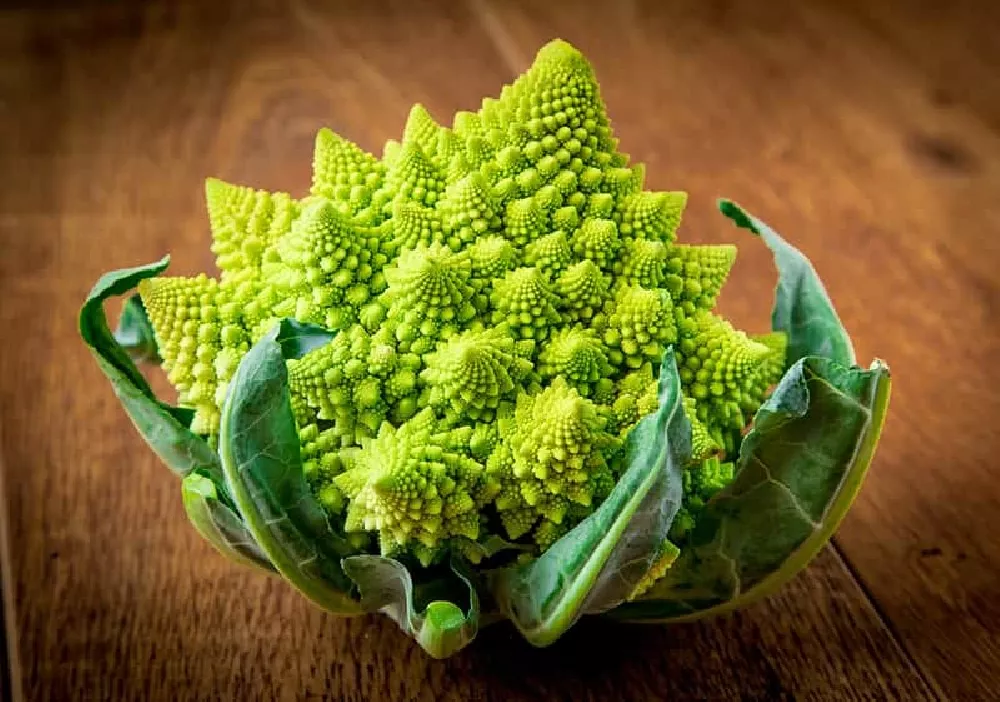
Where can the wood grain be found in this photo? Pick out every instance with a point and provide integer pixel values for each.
(820, 119)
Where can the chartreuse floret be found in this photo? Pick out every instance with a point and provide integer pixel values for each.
(583, 292)
(551, 254)
(244, 223)
(321, 463)
(325, 268)
(552, 458)
(695, 274)
(597, 240)
(723, 370)
(429, 296)
(492, 257)
(701, 482)
(640, 324)
(413, 225)
(410, 177)
(469, 375)
(653, 216)
(502, 291)
(665, 557)
(201, 337)
(469, 210)
(578, 356)
(642, 263)
(525, 301)
(703, 446)
(345, 174)
(334, 384)
(415, 487)
(636, 397)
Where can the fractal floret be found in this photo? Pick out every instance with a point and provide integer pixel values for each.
(484, 365)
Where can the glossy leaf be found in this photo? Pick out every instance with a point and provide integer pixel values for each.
(802, 307)
(259, 445)
(800, 469)
(135, 333)
(597, 565)
(164, 428)
(218, 524)
(427, 611)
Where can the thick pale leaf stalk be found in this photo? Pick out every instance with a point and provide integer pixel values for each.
(600, 562)
(259, 446)
(438, 624)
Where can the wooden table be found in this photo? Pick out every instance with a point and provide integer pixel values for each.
(869, 135)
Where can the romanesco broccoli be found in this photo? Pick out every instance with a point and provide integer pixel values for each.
(502, 290)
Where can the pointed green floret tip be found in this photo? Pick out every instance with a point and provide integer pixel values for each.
(500, 292)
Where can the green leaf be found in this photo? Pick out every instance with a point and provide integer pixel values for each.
(800, 468)
(164, 428)
(802, 308)
(135, 333)
(597, 565)
(259, 445)
(296, 338)
(426, 611)
(218, 524)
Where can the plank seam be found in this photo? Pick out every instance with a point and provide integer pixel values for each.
(882, 617)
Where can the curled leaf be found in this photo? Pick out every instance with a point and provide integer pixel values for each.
(135, 333)
(164, 428)
(800, 468)
(259, 446)
(600, 563)
(802, 307)
(427, 610)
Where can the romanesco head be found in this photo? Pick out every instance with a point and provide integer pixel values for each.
(502, 291)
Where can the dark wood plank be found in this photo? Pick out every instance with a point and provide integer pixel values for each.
(10, 677)
(117, 114)
(818, 118)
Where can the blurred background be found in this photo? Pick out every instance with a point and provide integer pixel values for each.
(868, 133)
